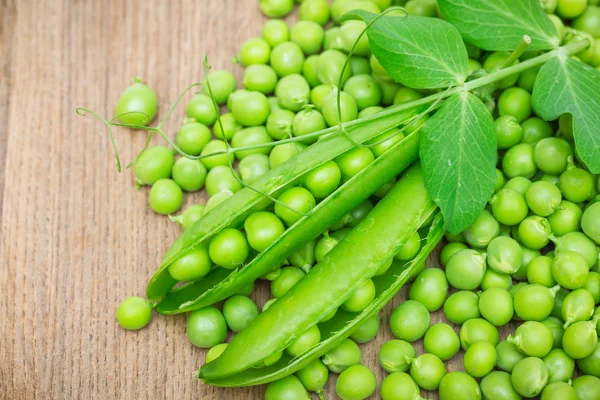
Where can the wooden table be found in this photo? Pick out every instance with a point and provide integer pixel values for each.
(76, 236)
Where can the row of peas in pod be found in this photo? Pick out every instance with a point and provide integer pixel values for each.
(290, 91)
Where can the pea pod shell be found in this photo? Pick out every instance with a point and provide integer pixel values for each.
(221, 284)
(354, 260)
(233, 212)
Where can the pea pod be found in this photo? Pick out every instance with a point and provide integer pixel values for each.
(233, 212)
(354, 260)
(220, 283)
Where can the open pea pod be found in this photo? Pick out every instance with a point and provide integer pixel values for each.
(334, 331)
(220, 283)
(327, 285)
(233, 212)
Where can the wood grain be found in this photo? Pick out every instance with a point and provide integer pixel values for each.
(76, 235)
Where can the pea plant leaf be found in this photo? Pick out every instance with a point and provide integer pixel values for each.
(499, 25)
(458, 153)
(418, 52)
(565, 85)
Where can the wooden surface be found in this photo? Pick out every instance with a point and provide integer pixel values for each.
(76, 236)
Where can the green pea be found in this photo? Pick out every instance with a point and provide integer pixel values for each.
(279, 124)
(323, 180)
(539, 271)
(222, 84)
(275, 31)
(475, 330)
(283, 152)
(508, 355)
(379, 145)
(493, 279)
(154, 163)
(250, 108)
(349, 109)
(410, 249)
(535, 129)
(388, 89)
(579, 243)
(483, 230)
(239, 312)
(519, 184)
(355, 383)
(534, 302)
(570, 269)
(165, 197)
(409, 321)
(533, 338)
(515, 101)
(589, 222)
(293, 92)
(496, 306)
(461, 307)
(580, 339)
(509, 207)
(529, 376)
(288, 277)
(497, 385)
(305, 341)
(260, 78)
(441, 340)
(465, 269)
(344, 355)
(587, 387)
(351, 37)
(508, 131)
(560, 366)
(253, 167)
(222, 178)
(314, 376)
(134, 313)
(361, 298)
(457, 384)
(427, 370)
(214, 352)
(366, 331)
(592, 285)
(191, 138)
(190, 216)
(190, 175)
(479, 359)
(556, 327)
(558, 390)
(360, 65)
(543, 198)
(289, 387)
(330, 65)
(262, 229)
(216, 200)
(558, 300)
(308, 121)
(399, 386)
(576, 185)
(449, 250)
(206, 327)
(394, 354)
(319, 94)
(552, 155)
(519, 161)
(370, 111)
(220, 159)
(504, 255)
(578, 305)
(364, 89)
(341, 7)
(228, 248)
(314, 10)
(193, 265)
(137, 104)
(535, 232)
(590, 365)
(202, 109)
(298, 199)
(254, 51)
(354, 161)
(430, 289)
(527, 79)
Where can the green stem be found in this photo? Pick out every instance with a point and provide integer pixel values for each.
(518, 52)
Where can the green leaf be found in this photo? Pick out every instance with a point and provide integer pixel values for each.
(458, 154)
(499, 25)
(565, 85)
(418, 52)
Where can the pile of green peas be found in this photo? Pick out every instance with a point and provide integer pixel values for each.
(530, 260)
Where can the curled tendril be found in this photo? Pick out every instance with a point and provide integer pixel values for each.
(229, 148)
(84, 112)
(340, 124)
